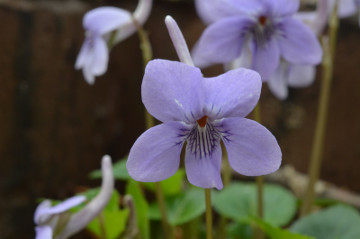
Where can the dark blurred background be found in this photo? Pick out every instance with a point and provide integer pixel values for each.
(54, 127)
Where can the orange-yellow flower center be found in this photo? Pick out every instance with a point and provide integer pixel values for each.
(202, 122)
(262, 20)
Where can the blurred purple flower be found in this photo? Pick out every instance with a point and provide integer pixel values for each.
(201, 112)
(316, 20)
(290, 75)
(346, 8)
(298, 75)
(105, 27)
(266, 28)
(45, 213)
(56, 219)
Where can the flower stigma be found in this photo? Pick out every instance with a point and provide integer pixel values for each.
(202, 122)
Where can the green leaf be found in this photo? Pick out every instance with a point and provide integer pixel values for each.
(278, 233)
(141, 207)
(239, 230)
(119, 169)
(170, 186)
(114, 223)
(181, 208)
(238, 201)
(337, 222)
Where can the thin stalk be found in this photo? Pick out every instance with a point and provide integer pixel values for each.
(146, 50)
(259, 183)
(227, 173)
(102, 225)
(161, 202)
(208, 214)
(190, 229)
(259, 179)
(318, 143)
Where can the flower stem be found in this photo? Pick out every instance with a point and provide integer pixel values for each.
(208, 213)
(102, 225)
(316, 154)
(227, 173)
(146, 50)
(161, 202)
(259, 179)
(259, 182)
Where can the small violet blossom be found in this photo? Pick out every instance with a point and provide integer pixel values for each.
(346, 8)
(201, 112)
(263, 30)
(105, 27)
(56, 222)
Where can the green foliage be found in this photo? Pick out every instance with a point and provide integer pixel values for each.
(119, 169)
(277, 233)
(170, 186)
(114, 223)
(141, 206)
(111, 221)
(337, 222)
(239, 230)
(238, 201)
(181, 208)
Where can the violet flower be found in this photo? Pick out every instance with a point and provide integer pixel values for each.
(56, 222)
(105, 27)
(290, 75)
(201, 112)
(266, 27)
(346, 8)
(298, 75)
(46, 217)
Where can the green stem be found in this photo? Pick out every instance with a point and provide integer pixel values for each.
(227, 173)
(146, 50)
(208, 214)
(102, 225)
(316, 154)
(161, 202)
(259, 180)
(259, 183)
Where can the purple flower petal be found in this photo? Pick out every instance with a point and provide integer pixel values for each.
(101, 56)
(93, 58)
(172, 91)
(222, 41)
(44, 205)
(301, 75)
(252, 149)
(298, 44)
(266, 58)
(213, 10)
(155, 155)
(61, 207)
(346, 8)
(204, 171)
(278, 82)
(245, 59)
(233, 94)
(283, 7)
(103, 20)
(254, 7)
(43, 232)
